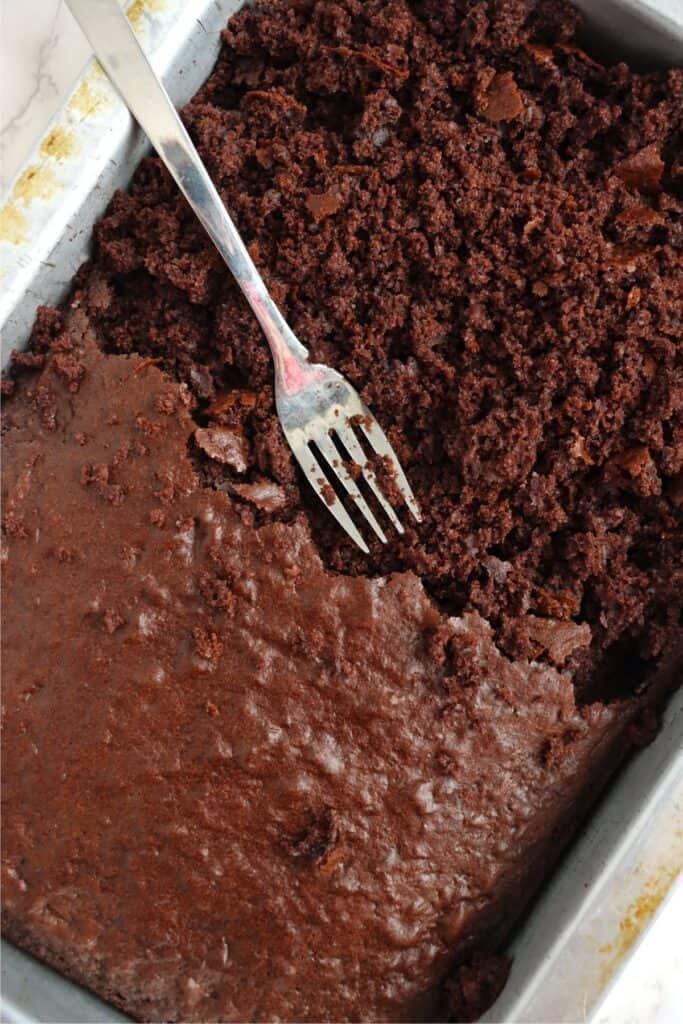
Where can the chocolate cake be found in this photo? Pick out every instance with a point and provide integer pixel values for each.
(251, 774)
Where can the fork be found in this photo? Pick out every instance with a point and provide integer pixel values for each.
(322, 416)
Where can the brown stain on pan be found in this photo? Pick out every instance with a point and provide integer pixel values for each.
(13, 225)
(88, 98)
(59, 144)
(635, 918)
(139, 8)
(36, 182)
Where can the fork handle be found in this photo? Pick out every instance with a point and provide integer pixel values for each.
(120, 54)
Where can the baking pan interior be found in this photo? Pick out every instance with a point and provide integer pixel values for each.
(557, 973)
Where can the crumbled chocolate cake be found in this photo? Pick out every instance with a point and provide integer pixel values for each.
(250, 773)
(481, 227)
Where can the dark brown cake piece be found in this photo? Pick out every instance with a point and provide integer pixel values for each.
(239, 787)
(481, 227)
(249, 774)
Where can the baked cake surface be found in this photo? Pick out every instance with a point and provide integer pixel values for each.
(239, 787)
(248, 774)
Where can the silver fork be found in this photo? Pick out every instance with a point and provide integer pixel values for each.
(315, 404)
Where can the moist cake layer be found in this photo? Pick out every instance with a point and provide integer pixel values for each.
(239, 787)
(250, 775)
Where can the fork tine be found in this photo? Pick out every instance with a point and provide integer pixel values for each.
(352, 446)
(316, 478)
(333, 457)
(380, 443)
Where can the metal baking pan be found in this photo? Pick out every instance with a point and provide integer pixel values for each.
(597, 905)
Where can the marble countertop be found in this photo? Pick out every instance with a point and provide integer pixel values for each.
(41, 54)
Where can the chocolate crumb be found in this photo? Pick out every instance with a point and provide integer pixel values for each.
(642, 170)
(502, 100)
(323, 205)
(475, 986)
(264, 494)
(225, 445)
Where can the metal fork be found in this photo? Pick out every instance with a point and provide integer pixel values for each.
(315, 404)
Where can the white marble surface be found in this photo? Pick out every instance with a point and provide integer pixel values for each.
(41, 54)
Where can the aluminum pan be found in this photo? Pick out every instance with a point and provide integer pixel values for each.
(579, 936)
(89, 150)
